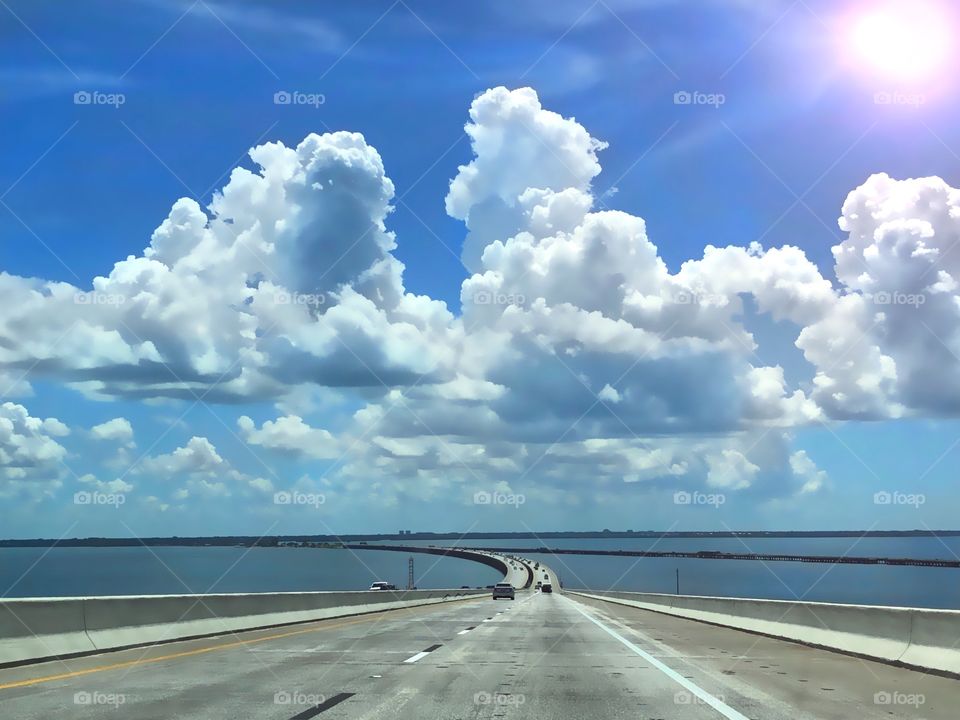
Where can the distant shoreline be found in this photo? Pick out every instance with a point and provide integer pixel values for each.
(333, 540)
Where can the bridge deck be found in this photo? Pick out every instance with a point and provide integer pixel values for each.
(538, 656)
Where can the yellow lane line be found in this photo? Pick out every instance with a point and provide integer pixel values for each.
(199, 651)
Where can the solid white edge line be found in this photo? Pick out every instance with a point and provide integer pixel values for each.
(463, 632)
(418, 656)
(717, 704)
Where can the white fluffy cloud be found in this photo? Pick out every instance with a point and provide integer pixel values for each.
(902, 348)
(117, 485)
(576, 345)
(289, 279)
(197, 457)
(198, 470)
(518, 146)
(117, 430)
(289, 434)
(31, 460)
(806, 470)
(730, 469)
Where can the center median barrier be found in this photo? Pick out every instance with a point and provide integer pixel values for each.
(36, 629)
(527, 575)
(918, 638)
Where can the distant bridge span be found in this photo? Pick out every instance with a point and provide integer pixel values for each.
(701, 555)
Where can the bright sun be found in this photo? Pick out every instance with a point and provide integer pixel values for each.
(906, 41)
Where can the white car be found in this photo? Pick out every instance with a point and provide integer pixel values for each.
(380, 585)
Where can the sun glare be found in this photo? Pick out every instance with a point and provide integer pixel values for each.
(906, 41)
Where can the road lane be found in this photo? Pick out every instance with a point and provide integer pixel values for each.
(692, 688)
(539, 656)
(523, 658)
(274, 677)
(764, 677)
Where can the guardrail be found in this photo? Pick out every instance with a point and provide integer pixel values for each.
(918, 638)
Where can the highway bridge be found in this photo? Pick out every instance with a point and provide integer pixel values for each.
(445, 655)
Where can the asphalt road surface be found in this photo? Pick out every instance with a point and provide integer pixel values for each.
(539, 656)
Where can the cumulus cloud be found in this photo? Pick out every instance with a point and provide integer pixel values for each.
(804, 468)
(287, 278)
(117, 430)
(197, 457)
(577, 347)
(289, 434)
(31, 460)
(117, 485)
(730, 469)
(200, 471)
(905, 319)
(27, 447)
(54, 427)
(517, 146)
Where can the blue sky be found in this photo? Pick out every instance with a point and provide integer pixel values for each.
(397, 411)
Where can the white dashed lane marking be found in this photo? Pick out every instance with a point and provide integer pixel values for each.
(422, 654)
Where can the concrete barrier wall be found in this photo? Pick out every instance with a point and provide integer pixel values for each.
(934, 641)
(36, 629)
(516, 577)
(914, 637)
(41, 628)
